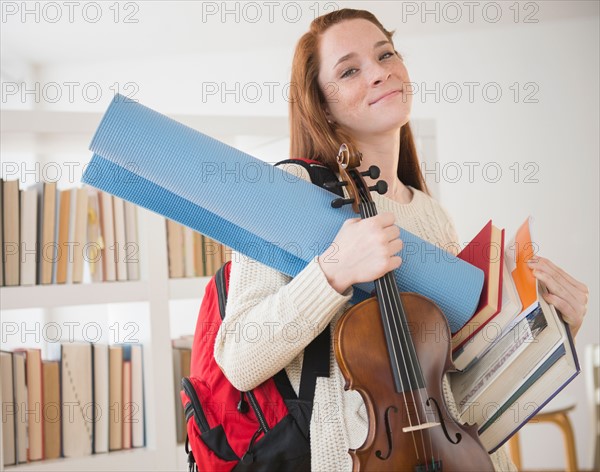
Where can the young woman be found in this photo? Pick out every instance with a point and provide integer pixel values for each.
(350, 88)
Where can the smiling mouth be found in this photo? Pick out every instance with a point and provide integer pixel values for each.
(395, 92)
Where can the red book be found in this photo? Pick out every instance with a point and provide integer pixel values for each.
(485, 251)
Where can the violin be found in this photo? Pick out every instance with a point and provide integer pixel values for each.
(382, 348)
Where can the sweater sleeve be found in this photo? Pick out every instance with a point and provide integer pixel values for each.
(270, 318)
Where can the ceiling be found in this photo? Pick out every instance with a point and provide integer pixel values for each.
(55, 33)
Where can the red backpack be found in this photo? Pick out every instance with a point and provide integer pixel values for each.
(266, 428)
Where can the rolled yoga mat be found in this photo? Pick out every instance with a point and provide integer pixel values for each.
(253, 207)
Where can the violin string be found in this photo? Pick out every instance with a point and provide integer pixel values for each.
(363, 208)
(390, 286)
(396, 308)
(392, 290)
(371, 210)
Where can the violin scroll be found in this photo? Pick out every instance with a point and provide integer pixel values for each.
(348, 161)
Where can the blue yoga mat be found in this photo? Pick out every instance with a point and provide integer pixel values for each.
(251, 206)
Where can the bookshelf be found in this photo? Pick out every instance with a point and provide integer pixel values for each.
(149, 301)
(153, 299)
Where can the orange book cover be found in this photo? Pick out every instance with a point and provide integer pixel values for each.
(522, 275)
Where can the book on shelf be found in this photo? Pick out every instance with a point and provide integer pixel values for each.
(524, 367)
(109, 267)
(132, 243)
(182, 351)
(52, 236)
(115, 398)
(46, 230)
(101, 379)
(175, 248)
(120, 240)
(138, 427)
(60, 408)
(35, 418)
(7, 397)
(28, 217)
(11, 236)
(198, 258)
(64, 235)
(20, 389)
(192, 254)
(51, 408)
(94, 237)
(79, 200)
(76, 373)
(127, 406)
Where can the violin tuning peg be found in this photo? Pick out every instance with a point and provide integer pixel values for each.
(373, 172)
(381, 187)
(334, 184)
(340, 202)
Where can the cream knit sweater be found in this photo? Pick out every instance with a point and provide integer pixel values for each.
(271, 318)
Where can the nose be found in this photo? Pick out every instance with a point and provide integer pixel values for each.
(379, 74)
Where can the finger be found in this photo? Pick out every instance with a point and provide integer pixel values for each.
(384, 219)
(565, 310)
(395, 246)
(543, 261)
(556, 289)
(546, 267)
(391, 232)
(395, 262)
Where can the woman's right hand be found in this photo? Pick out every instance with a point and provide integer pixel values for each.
(362, 251)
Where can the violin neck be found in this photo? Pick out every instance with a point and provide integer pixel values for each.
(403, 358)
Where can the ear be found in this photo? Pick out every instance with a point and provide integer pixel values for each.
(328, 115)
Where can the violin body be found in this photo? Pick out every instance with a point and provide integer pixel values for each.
(362, 354)
(394, 349)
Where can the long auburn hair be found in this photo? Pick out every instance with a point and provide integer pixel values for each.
(311, 135)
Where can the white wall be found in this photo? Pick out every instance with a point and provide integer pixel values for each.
(558, 135)
(557, 138)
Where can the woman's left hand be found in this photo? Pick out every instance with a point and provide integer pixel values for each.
(569, 296)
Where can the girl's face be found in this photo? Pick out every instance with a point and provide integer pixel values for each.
(358, 66)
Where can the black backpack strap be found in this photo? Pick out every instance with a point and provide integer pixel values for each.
(316, 355)
(222, 288)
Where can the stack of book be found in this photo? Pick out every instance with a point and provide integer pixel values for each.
(192, 254)
(77, 235)
(515, 353)
(89, 401)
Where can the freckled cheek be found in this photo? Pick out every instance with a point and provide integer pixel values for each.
(347, 112)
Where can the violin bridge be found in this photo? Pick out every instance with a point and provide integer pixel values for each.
(419, 427)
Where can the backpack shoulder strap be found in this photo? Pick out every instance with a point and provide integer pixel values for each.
(319, 173)
(316, 355)
(222, 284)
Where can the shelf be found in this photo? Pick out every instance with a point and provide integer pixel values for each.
(67, 122)
(57, 295)
(187, 288)
(131, 459)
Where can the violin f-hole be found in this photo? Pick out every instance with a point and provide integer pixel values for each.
(443, 423)
(388, 432)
